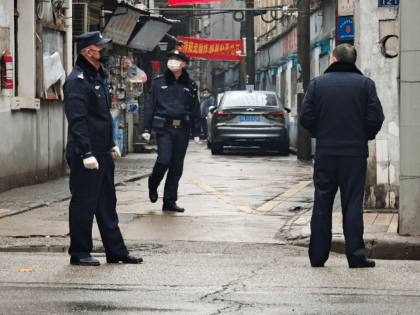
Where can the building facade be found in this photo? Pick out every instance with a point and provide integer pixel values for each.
(376, 40)
(31, 113)
(276, 60)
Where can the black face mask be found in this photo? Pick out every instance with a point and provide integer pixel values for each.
(104, 53)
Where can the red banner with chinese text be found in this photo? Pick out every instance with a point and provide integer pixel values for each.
(183, 2)
(220, 49)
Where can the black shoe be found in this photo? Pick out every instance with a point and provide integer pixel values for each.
(367, 263)
(172, 207)
(153, 194)
(87, 261)
(126, 260)
(317, 265)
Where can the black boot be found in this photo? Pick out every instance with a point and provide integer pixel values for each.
(367, 263)
(172, 206)
(153, 194)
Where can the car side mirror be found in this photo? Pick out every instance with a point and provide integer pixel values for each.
(211, 109)
(287, 109)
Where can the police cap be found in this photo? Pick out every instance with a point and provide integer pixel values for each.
(91, 38)
(178, 54)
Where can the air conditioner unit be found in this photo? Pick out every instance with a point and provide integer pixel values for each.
(80, 19)
(198, 25)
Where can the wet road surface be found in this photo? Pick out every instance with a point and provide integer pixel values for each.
(207, 278)
(219, 257)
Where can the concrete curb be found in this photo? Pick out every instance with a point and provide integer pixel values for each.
(377, 248)
(282, 233)
(67, 197)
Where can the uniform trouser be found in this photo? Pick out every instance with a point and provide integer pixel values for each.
(171, 149)
(348, 173)
(93, 194)
(204, 127)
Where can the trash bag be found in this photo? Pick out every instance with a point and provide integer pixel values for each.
(53, 71)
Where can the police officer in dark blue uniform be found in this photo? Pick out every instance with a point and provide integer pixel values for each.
(89, 149)
(172, 109)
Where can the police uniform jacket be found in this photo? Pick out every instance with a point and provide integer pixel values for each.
(87, 105)
(342, 111)
(173, 99)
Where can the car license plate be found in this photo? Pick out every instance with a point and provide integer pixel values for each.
(249, 118)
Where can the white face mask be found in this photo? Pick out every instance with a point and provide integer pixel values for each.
(174, 65)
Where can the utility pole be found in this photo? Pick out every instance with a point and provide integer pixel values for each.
(409, 218)
(242, 64)
(304, 150)
(250, 43)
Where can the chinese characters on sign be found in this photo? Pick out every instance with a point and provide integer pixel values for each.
(345, 29)
(121, 25)
(211, 48)
(290, 42)
(345, 7)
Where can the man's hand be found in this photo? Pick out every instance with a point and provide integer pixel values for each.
(197, 139)
(146, 136)
(115, 152)
(91, 163)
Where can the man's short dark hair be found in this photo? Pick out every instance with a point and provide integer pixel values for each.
(206, 90)
(345, 53)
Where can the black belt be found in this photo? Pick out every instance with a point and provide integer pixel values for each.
(178, 122)
(174, 122)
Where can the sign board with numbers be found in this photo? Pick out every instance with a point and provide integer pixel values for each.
(388, 3)
(345, 7)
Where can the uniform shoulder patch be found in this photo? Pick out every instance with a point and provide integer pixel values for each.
(80, 76)
(159, 76)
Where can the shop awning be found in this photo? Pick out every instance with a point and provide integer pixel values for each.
(135, 28)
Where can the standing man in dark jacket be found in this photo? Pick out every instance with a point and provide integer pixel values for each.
(171, 109)
(342, 111)
(207, 102)
(89, 149)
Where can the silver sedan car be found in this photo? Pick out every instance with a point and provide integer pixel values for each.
(249, 118)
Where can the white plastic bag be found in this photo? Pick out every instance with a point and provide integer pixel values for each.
(53, 71)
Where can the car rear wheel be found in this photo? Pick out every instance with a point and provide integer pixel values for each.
(283, 148)
(216, 149)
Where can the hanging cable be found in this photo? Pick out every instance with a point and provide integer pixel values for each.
(238, 19)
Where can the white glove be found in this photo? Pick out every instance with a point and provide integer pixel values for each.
(146, 136)
(115, 152)
(196, 139)
(91, 163)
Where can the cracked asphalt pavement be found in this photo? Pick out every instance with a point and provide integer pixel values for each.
(221, 256)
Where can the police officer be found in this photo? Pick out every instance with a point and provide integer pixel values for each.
(89, 149)
(173, 101)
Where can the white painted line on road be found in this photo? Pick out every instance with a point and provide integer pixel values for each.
(393, 227)
(267, 207)
(237, 204)
(201, 185)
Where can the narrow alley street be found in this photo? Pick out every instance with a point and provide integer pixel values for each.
(221, 256)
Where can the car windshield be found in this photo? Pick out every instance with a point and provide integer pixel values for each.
(249, 99)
